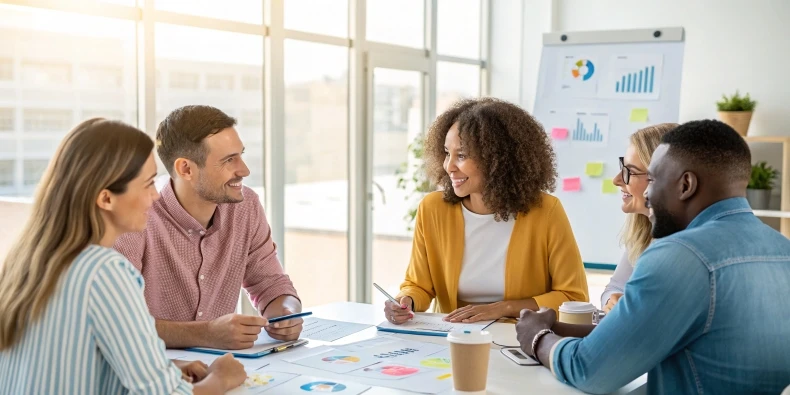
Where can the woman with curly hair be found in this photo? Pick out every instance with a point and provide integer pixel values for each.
(492, 241)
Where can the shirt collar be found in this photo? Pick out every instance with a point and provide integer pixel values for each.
(721, 209)
(182, 218)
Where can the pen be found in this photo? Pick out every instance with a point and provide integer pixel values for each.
(288, 317)
(387, 295)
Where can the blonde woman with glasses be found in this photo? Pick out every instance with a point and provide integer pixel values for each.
(73, 317)
(632, 181)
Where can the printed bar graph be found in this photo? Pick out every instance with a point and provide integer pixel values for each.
(590, 128)
(582, 134)
(637, 82)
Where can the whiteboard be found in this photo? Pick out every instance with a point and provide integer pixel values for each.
(594, 89)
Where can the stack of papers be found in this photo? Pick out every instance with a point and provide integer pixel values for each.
(430, 324)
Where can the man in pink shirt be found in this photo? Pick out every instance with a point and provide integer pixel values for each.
(206, 238)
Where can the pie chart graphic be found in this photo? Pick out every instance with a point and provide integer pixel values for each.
(323, 386)
(583, 69)
(341, 359)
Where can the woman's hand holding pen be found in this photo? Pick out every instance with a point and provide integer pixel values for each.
(398, 314)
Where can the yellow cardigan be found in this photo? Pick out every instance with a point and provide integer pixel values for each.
(543, 261)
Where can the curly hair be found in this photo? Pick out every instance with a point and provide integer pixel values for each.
(510, 147)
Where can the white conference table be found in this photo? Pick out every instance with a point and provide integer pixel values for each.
(504, 376)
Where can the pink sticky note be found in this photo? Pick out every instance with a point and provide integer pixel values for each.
(559, 133)
(572, 184)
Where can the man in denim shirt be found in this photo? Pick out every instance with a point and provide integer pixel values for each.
(706, 310)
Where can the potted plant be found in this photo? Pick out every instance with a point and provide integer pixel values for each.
(736, 111)
(758, 193)
(412, 179)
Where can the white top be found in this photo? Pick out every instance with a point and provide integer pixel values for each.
(483, 267)
(622, 273)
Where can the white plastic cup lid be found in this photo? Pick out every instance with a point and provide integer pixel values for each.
(470, 337)
(577, 307)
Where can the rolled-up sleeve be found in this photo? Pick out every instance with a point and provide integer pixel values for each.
(652, 321)
(264, 279)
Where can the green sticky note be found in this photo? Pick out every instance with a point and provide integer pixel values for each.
(609, 187)
(639, 115)
(594, 169)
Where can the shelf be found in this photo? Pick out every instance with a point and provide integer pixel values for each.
(767, 139)
(772, 213)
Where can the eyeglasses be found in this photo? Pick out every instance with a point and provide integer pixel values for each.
(626, 173)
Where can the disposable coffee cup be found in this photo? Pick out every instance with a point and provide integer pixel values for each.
(469, 352)
(579, 313)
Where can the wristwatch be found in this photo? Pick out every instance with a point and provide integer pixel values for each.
(535, 341)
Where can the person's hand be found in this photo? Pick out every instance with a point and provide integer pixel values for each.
(192, 371)
(480, 312)
(229, 371)
(285, 330)
(234, 331)
(398, 314)
(532, 322)
(611, 302)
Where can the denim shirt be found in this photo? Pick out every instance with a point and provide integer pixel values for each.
(707, 310)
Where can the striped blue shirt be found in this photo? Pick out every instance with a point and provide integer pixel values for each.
(95, 337)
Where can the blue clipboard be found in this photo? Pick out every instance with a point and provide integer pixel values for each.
(254, 351)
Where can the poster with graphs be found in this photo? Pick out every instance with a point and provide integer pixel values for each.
(579, 76)
(633, 77)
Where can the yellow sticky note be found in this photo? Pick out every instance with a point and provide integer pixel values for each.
(639, 115)
(609, 187)
(594, 169)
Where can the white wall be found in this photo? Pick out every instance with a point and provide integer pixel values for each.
(730, 45)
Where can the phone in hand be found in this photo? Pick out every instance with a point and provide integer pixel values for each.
(516, 355)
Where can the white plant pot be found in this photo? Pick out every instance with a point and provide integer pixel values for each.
(759, 199)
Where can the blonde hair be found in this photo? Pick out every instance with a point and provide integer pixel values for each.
(637, 231)
(96, 155)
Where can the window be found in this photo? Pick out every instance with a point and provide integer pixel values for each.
(400, 22)
(250, 11)
(7, 173)
(186, 54)
(219, 82)
(6, 69)
(182, 80)
(251, 119)
(47, 120)
(33, 169)
(101, 77)
(6, 119)
(46, 73)
(316, 166)
(458, 28)
(115, 115)
(318, 16)
(455, 81)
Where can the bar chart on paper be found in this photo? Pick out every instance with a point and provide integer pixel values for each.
(634, 77)
(590, 127)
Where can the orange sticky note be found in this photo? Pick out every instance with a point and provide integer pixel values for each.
(559, 133)
(572, 184)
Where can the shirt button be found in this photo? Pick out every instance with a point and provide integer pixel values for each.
(189, 231)
(200, 313)
(202, 276)
(202, 232)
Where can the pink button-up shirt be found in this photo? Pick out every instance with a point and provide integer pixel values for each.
(194, 274)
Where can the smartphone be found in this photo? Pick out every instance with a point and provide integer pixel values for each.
(516, 355)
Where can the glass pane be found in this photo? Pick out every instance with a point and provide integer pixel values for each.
(399, 22)
(190, 71)
(250, 11)
(458, 28)
(316, 170)
(397, 120)
(57, 69)
(455, 81)
(318, 16)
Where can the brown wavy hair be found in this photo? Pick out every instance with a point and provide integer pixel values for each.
(510, 147)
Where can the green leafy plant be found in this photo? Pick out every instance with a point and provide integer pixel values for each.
(736, 102)
(763, 176)
(412, 179)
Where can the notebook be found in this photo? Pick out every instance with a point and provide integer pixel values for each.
(431, 324)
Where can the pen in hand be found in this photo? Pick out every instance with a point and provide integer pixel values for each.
(396, 312)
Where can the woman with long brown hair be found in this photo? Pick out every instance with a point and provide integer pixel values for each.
(73, 317)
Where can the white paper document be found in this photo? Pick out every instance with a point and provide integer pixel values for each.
(328, 330)
(261, 381)
(306, 384)
(432, 325)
